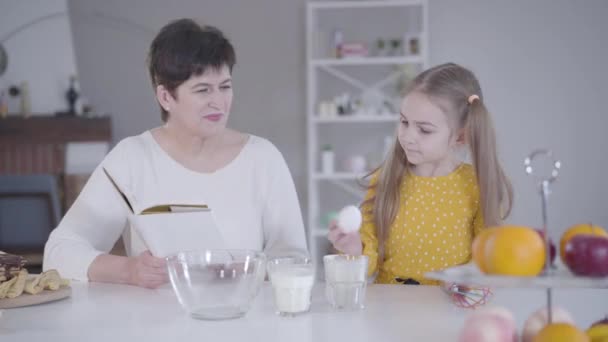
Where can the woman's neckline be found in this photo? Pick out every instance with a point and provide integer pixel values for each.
(148, 134)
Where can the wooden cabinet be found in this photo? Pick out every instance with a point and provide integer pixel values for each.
(36, 145)
(34, 188)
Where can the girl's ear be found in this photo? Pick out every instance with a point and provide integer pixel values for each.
(461, 137)
(164, 97)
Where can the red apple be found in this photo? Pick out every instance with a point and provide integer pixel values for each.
(602, 321)
(587, 255)
(552, 249)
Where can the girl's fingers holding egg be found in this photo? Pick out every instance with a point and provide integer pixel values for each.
(334, 235)
(333, 224)
(349, 244)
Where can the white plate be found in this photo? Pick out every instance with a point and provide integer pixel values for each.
(27, 299)
(469, 274)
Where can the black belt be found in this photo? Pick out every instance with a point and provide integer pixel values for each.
(407, 281)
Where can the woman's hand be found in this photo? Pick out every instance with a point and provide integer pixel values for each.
(146, 270)
(347, 243)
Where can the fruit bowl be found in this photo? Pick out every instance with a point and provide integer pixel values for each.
(558, 277)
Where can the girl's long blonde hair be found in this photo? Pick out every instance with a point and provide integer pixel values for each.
(452, 85)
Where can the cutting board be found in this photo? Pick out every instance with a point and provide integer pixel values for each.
(27, 299)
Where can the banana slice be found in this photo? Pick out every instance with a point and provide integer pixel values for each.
(52, 280)
(17, 288)
(5, 286)
(47, 280)
(22, 282)
(35, 286)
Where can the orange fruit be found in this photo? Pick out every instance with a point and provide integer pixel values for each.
(585, 228)
(514, 251)
(560, 332)
(477, 249)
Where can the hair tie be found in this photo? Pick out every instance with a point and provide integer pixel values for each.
(473, 98)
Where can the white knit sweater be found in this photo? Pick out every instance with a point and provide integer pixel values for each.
(253, 199)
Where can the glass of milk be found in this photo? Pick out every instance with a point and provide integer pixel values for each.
(345, 281)
(292, 279)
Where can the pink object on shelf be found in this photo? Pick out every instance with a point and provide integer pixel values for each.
(353, 50)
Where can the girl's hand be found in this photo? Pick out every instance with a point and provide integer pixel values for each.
(146, 270)
(345, 243)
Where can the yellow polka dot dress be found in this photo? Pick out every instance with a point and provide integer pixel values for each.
(434, 228)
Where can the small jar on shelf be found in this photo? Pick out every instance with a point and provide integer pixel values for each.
(327, 159)
(327, 109)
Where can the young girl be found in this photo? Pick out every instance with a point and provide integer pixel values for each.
(424, 205)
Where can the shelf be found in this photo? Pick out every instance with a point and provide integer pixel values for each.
(338, 176)
(363, 4)
(371, 79)
(558, 278)
(368, 61)
(356, 119)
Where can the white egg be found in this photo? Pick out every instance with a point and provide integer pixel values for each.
(349, 219)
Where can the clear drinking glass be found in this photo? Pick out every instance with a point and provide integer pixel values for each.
(292, 280)
(345, 281)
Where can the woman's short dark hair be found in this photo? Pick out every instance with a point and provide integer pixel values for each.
(184, 48)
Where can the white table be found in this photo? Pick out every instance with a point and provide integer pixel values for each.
(105, 312)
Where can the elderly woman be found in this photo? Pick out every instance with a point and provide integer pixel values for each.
(193, 157)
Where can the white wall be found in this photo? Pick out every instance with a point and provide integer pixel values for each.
(541, 64)
(111, 40)
(42, 54)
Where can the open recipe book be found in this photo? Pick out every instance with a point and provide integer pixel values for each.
(169, 228)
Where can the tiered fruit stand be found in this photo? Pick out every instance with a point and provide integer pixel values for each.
(552, 276)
